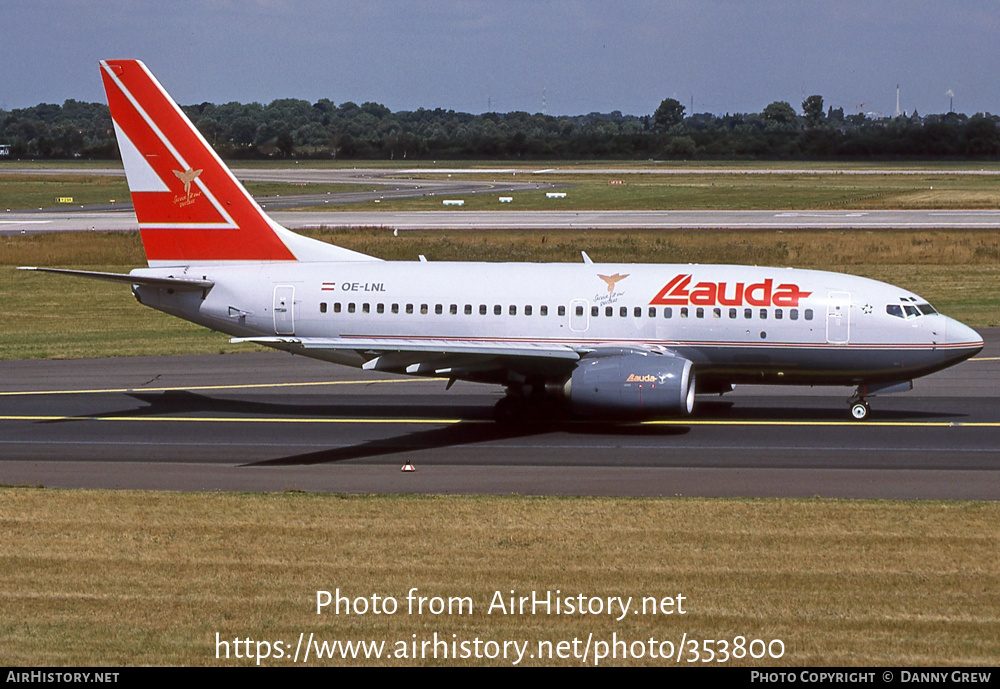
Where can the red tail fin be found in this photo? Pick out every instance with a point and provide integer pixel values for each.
(189, 205)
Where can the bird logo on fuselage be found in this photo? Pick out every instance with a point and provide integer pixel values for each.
(613, 280)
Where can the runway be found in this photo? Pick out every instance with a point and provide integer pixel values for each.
(30, 223)
(265, 422)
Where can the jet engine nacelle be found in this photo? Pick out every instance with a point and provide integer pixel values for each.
(632, 383)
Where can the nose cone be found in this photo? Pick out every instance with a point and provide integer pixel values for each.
(962, 338)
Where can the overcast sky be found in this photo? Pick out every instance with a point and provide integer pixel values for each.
(467, 55)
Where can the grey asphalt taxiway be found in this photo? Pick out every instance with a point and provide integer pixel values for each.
(270, 421)
(35, 222)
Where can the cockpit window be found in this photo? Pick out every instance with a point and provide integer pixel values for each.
(907, 311)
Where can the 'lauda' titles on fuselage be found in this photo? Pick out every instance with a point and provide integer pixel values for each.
(677, 293)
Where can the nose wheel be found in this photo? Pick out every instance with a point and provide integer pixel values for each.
(860, 410)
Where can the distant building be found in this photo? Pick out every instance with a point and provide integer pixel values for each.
(4, 149)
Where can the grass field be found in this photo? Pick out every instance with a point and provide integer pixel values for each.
(133, 578)
(728, 192)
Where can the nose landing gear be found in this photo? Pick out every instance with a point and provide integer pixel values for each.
(859, 410)
(859, 407)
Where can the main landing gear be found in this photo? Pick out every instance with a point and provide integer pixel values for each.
(529, 409)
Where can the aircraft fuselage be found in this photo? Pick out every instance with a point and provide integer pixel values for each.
(737, 324)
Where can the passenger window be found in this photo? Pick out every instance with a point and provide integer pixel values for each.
(777, 314)
(453, 309)
(423, 309)
(497, 309)
(562, 311)
(623, 311)
(366, 308)
(395, 308)
(380, 308)
(684, 312)
(527, 309)
(652, 312)
(763, 314)
(609, 311)
(732, 314)
(513, 310)
(409, 308)
(468, 309)
(717, 313)
(350, 307)
(543, 310)
(438, 309)
(747, 313)
(579, 310)
(668, 312)
(637, 312)
(322, 307)
(336, 307)
(794, 314)
(809, 314)
(594, 311)
(482, 309)
(700, 312)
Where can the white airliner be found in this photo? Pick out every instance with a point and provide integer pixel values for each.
(604, 340)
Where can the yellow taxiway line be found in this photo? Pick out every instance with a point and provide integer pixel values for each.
(667, 422)
(208, 419)
(244, 386)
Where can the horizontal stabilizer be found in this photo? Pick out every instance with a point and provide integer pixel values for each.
(177, 283)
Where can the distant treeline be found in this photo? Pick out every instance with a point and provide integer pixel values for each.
(290, 128)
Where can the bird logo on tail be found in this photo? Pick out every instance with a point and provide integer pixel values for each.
(187, 176)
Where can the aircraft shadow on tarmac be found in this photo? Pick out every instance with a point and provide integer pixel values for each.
(469, 421)
(475, 424)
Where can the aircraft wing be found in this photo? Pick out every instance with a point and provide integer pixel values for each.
(427, 345)
(431, 356)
